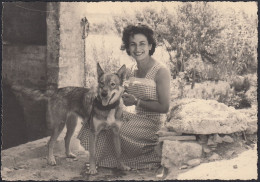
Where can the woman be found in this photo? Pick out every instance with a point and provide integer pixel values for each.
(149, 91)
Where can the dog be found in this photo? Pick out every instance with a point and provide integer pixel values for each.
(100, 107)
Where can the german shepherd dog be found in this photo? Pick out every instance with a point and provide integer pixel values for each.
(101, 108)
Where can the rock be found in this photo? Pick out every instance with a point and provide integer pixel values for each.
(198, 116)
(23, 166)
(6, 170)
(217, 138)
(251, 130)
(214, 157)
(194, 162)
(184, 167)
(247, 147)
(206, 150)
(235, 166)
(210, 141)
(202, 139)
(176, 153)
(230, 153)
(227, 139)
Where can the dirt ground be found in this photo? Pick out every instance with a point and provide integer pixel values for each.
(28, 162)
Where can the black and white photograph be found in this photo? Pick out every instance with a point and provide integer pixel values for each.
(106, 91)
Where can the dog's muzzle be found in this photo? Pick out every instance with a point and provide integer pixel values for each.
(104, 93)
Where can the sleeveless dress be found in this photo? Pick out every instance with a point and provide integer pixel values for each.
(138, 130)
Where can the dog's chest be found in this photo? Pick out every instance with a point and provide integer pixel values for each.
(105, 119)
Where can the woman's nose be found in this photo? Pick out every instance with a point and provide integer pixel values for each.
(138, 48)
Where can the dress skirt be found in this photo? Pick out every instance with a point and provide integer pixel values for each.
(138, 140)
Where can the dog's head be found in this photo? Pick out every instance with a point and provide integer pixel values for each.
(110, 86)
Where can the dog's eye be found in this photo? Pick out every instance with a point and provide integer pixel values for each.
(113, 84)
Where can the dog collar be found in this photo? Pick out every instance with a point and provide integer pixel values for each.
(99, 105)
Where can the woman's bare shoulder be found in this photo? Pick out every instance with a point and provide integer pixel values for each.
(163, 72)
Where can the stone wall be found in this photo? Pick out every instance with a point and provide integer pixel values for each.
(71, 59)
(42, 48)
(65, 60)
(53, 39)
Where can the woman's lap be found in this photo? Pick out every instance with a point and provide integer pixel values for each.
(137, 143)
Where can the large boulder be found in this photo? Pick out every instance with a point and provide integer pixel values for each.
(198, 116)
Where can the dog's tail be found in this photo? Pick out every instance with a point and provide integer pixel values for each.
(35, 94)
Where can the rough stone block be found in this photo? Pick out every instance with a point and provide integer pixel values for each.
(176, 153)
(202, 139)
(252, 129)
(194, 162)
(198, 116)
(227, 139)
(217, 138)
(214, 157)
(210, 141)
(206, 149)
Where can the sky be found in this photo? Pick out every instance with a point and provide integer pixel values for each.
(102, 11)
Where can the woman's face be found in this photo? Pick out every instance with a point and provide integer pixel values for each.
(139, 47)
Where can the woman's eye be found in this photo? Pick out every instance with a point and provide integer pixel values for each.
(113, 84)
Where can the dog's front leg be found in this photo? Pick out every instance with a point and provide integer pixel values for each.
(117, 143)
(98, 125)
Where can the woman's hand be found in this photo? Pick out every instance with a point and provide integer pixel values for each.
(129, 99)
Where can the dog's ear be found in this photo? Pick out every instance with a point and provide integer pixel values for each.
(100, 71)
(122, 73)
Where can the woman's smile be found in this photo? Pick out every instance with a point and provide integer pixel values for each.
(138, 53)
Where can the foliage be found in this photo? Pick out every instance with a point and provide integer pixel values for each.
(226, 42)
(196, 33)
(239, 40)
(98, 51)
(219, 91)
(203, 45)
(102, 28)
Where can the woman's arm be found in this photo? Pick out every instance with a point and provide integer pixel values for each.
(163, 90)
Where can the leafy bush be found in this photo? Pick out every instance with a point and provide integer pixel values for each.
(226, 40)
(251, 94)
(219, 91)
(100, 50)
(240, 84)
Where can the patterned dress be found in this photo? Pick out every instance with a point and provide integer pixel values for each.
(137, 134)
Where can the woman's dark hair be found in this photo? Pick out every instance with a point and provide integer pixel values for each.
(131, 30)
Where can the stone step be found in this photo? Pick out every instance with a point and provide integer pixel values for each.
(178, 138)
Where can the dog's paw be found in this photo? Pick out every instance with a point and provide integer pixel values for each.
(71, 155)
(92, 171)
(125, 168)
(52, 161)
